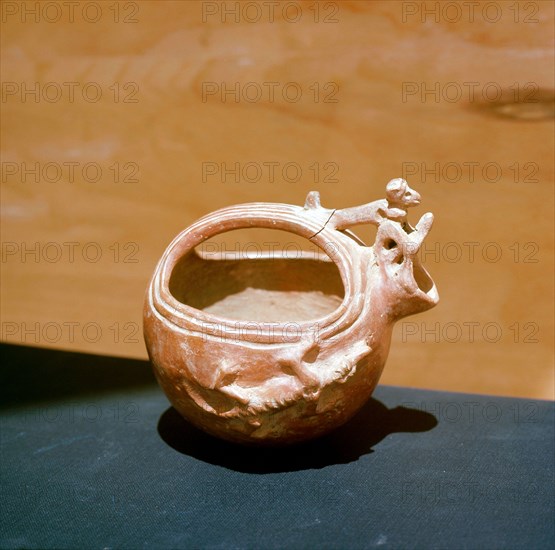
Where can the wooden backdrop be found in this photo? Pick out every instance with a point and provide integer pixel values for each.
(124, 122)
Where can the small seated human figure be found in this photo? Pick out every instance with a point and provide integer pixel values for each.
(399, 197)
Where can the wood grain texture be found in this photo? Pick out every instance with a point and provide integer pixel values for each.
(499, 285)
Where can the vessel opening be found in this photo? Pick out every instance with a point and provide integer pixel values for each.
(263, 275)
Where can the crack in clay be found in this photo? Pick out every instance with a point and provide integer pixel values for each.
(324, 226)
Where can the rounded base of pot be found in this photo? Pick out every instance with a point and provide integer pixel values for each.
(310, 416)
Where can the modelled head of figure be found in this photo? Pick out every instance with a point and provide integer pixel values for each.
(399, 194)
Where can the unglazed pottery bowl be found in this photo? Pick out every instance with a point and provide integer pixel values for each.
(273, 350)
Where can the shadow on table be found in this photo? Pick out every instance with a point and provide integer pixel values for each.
(346, 444)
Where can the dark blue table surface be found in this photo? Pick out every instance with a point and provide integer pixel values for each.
(92, 456)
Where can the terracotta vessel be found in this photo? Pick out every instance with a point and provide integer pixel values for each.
(275, 350)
